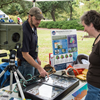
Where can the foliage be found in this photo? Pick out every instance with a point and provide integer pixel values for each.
(71, 24)
(53, 7)
(89, 5)
(16, 7)
(56, 10)
(13, 9)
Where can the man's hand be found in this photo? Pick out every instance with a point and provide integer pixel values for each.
(31, 61)
(42, 72)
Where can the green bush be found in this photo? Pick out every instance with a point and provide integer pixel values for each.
(64, 27)
(55, 25)
(43, 24)
(60, 24)
(72, 24)
(50, 24)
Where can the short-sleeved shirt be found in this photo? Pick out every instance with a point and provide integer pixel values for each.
(30, 41)
(2, 20)
(10, 20)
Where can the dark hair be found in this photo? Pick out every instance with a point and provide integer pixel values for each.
(92, 17)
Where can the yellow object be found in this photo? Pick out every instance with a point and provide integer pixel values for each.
(83, 75)
(85, 71)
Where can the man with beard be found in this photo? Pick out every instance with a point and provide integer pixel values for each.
(28, 60)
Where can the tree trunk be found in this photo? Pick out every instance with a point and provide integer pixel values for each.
(71, 9)
(70, 12)
(53, 15)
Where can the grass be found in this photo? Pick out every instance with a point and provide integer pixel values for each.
(45, 45)
(85, 45)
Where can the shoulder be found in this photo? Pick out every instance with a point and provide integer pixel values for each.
(25, 26)
(20, 20)
(26, 29)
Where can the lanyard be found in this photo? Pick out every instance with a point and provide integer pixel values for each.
(95, 39)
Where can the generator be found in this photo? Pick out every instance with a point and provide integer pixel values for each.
(11, 36)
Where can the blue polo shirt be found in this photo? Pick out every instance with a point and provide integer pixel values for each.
(10, 20)
(30, 41)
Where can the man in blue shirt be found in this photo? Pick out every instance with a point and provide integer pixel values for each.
(2, 20)
(10, 20)
(28, 54)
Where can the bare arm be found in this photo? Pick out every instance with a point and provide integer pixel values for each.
(31, 61)
(39, 61)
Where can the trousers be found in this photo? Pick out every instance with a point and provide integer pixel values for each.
(93, 93)
(26, 69)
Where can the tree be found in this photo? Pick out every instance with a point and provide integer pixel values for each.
(6, 2)
(91, 5)
(52, 7)
(70, 9)
(56, 8)
(14, 7)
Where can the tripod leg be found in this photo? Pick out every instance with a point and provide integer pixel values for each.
(5, 81)
(19, 85)
(11, 79)
(1, 74)
(21, 75)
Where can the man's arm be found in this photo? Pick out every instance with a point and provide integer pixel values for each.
(39, 61)
(31, 61)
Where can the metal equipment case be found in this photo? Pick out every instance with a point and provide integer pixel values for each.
(10, 35)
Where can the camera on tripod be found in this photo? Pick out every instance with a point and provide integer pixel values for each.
(10, 36)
